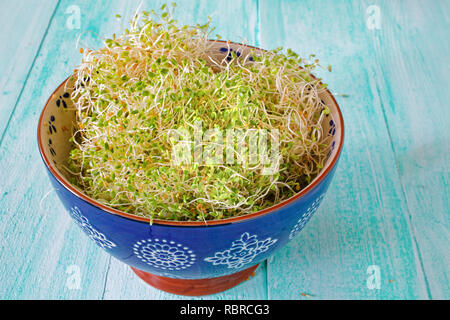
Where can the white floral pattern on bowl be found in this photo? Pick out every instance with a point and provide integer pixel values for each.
(305, 218)
(163, 254)
(93, 233)
(242, 252)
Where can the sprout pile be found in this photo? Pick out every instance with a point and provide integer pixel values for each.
(159, 76)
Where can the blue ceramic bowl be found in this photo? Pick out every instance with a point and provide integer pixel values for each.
(190, 258)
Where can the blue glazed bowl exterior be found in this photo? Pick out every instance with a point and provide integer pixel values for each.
(193, 252)
(190, 250)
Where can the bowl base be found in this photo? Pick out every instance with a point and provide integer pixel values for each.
(195, 287)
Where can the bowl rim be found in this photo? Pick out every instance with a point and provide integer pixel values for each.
(316, 181)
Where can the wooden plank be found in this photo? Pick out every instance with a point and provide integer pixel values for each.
(22, 32)
(364, 220)
(412, 47)
(42, 253)
(388, 205)
(121, 282)
(53, 253)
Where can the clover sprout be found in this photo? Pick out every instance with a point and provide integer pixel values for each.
(160, 76)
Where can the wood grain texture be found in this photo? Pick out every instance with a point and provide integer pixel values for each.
(39, 243)
(364, 220)
(44, 255)
(412, 49)
(22, 33)
(387, 206)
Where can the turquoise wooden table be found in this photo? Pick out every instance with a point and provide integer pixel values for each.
(383, 229)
